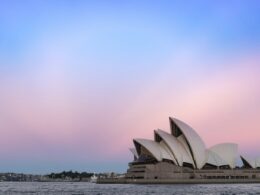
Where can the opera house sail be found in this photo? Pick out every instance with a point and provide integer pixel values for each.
(182, 157)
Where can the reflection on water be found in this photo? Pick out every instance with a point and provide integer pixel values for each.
(79, 188)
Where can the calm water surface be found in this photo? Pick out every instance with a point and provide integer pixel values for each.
(81, 188)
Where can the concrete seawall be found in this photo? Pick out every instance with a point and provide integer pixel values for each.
(174, 181)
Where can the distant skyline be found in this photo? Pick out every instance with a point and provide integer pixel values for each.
(80, 79)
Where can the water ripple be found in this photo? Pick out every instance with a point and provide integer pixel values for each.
(82, 188)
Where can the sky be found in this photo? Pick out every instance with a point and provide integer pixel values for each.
(80, 79)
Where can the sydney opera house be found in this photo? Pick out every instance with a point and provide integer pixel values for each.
(182, 155)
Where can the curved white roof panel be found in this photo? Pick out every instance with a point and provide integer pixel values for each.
(249, 161)
(133, 150)
(166, 148)
(227, 151)
(214, 159)
(176, 148)
(257, 162)
(184, 145)
(154, 148)
(195, 143)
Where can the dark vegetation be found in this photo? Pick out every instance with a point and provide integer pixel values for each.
(70, 174)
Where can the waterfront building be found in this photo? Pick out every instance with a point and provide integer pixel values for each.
(182, 155)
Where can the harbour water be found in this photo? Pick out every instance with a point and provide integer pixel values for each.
(82, 188)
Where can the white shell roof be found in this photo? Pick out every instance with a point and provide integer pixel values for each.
(176, 148)
(196, 143)
(214, 159)
(227, 151)
(254, 163)
(154, 148)
(166, 148)
(250, 161)
(133, 150)
(184, 144)
(257, 162)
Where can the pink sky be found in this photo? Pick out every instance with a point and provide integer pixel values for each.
(222, 107)
(79, 81)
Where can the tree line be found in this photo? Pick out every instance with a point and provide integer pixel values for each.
(70, 174)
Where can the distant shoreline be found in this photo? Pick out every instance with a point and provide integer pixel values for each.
(64, 176)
